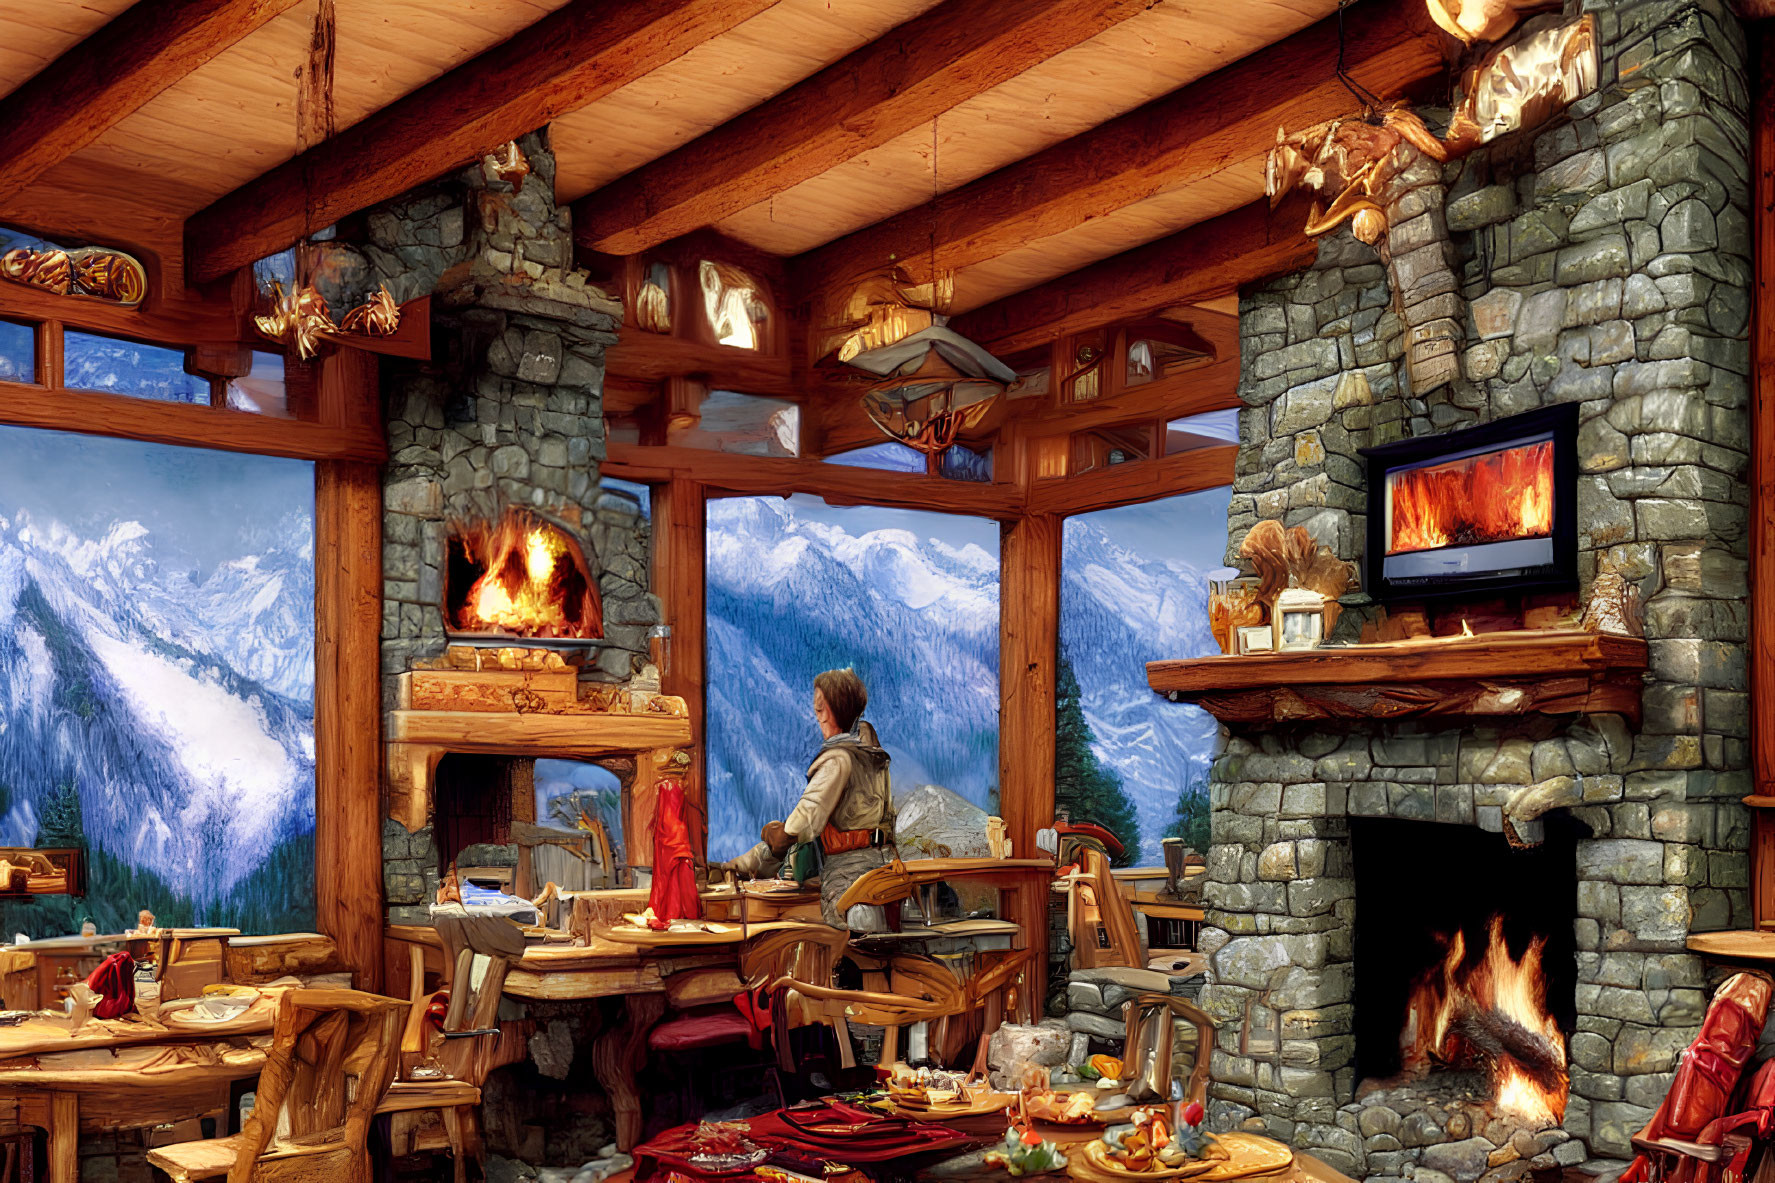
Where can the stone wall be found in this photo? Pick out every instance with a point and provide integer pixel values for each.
(1606, 262)
(509, 412)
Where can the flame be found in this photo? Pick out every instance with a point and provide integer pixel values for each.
(1510, 992)
(531, 582)
(1488, 498)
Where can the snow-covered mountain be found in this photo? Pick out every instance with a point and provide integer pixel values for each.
(917, 617)
(1120, 609)
(174, 706)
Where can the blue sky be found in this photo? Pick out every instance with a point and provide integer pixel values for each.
(201, 505)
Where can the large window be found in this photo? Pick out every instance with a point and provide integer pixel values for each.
(157, 680)
(1131, 592)
(909, 600)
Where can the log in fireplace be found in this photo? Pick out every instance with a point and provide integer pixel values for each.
(1465, 969)
(1491, 508)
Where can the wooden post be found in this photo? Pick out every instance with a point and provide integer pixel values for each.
(679, 574)
(348, 714)
(1762, 534)
(1029, 641)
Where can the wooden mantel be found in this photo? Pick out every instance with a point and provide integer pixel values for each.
(1562, 671)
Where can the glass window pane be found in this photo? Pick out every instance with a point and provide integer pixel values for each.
(158, 627)
(580, 798)
(262, 390)
(1207, 430)
(735, 304)
(18, 352)
(1132, 591)
(883, 457)
(910, 600)
(728, 421)
(959, 463)
(115, 366)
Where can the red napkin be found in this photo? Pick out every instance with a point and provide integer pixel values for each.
(114, 981)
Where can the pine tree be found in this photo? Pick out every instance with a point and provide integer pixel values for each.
(1082, 785)
(1191, 819)
(61, 824)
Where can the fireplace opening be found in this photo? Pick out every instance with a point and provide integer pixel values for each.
(1489, 508)
(516, 824)
(1466, 965)
(519, 576)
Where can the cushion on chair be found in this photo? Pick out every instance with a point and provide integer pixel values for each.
(700, 1028)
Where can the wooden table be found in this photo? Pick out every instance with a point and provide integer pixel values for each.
(132, 1071)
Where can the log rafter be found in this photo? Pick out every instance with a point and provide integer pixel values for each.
(893, 84)
(1201, 129)
(110, 75)
(568, 59)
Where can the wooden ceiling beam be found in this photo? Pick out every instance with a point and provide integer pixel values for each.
(1195, 132)
(890, 86)
(568, 59)
(1209, 259)
(110, 75)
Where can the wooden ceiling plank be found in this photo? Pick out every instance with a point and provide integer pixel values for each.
(570, 58)
(110, 75)
(890, 86)
(1187, 136)
(1209, 259)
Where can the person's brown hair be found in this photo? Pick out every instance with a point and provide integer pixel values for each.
(844, 694)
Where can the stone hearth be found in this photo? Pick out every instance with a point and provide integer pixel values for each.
(1603, 262)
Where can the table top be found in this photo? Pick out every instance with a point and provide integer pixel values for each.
(47, 1034)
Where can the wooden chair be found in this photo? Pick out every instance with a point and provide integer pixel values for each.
(308, 1124)
(474, 1043)
(1099, 918)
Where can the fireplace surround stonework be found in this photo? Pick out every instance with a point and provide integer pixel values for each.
(510, 415)
(1604, 262)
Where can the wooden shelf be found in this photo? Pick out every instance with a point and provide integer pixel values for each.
(575, 735)
(1742, 944)
(1564, 671)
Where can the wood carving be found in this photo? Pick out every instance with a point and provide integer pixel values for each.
(300, 319)
(653, 304)
(94, 272)
(1291, 557)
(1476, 21)
(1366, 165)
(1614, 607)
(510, 165)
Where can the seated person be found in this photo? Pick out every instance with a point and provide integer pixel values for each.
(847, 806)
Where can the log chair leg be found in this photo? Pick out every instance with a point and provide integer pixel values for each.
(618, 1058)
(64, 1138)
(890, 1046)
(458, 1150)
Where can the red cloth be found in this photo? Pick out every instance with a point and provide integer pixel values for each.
(700, 1028)
(828, 1131)
(114, 981)
(1707, 1073)
(674, 866)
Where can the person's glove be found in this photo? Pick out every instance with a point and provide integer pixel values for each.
(777, 838)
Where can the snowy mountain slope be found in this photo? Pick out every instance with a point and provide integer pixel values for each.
(1118, 611)
(918, 618)
(177, 711)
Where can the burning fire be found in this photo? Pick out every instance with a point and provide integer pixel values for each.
(1489, 498)
(532, 582)
(1491, 1013)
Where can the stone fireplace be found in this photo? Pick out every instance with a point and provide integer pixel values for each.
(1602, 265)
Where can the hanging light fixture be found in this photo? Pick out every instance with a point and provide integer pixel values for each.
(934, 383)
